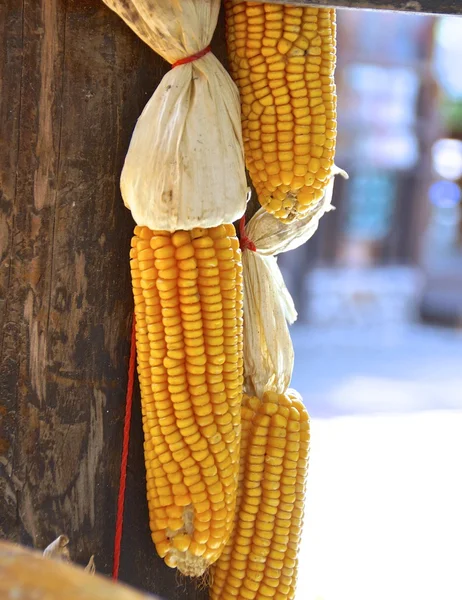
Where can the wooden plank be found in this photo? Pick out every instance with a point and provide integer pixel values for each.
(448, 7)
(74, 80)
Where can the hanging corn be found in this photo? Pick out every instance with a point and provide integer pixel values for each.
(188, 306)
(184, 181)
(260, 559)
(283, 60)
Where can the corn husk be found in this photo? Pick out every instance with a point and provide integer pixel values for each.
(185, 164)
(268, 305)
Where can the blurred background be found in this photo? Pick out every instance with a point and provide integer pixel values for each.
(378, 341)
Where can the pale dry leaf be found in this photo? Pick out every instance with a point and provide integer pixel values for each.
(268, 305)
(185, 165)
(91, 566)
(59, 550)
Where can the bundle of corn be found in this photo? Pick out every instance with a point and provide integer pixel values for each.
(184, 181)
(283, 60)
(188, 307)
(260, 559)
(185, 164)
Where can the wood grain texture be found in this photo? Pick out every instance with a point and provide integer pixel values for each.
(74, 80)
(448, 7)
(27, 575)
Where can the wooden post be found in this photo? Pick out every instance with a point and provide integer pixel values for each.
(73, 81)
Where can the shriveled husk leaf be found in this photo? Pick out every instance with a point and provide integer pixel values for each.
(268, 305)
(185, 164)
(272, 236)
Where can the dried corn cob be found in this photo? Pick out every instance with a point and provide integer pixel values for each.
(260, 559)
(283, 59)
(188, 305)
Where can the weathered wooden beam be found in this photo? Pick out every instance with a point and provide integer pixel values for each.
(442, 7)
(73, 79)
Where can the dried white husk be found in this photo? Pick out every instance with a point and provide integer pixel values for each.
(268, 305)
(185, 164)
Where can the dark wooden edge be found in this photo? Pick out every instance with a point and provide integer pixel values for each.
(442, 7)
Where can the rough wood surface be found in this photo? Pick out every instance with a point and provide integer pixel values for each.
(29, 576)
(449, 7)
(73, 81)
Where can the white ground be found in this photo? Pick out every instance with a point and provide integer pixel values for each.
(384, 505)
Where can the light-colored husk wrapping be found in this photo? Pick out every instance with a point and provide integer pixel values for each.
(268, 306)
(185, 164)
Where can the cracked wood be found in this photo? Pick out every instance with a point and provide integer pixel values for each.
(73, 81)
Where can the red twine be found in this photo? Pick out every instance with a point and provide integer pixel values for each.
(125, 448)
(244, 241)
(192, 58)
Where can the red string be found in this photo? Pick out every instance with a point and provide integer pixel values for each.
(125, 447)
(244, 241)
(193, 57)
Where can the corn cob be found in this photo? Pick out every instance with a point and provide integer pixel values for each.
(283, 60)
(260, 559)
(187, 288)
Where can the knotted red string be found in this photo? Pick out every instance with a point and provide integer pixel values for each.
(192, 58)
(245, 242)
(125, 448)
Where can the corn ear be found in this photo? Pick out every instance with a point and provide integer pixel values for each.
(283, 60)
(187, 288)
(261, 558)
